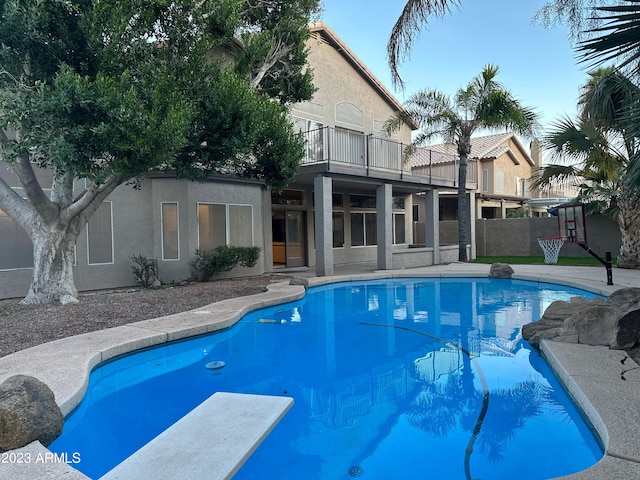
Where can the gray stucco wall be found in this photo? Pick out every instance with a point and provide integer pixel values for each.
(136, 224)
(519, 236)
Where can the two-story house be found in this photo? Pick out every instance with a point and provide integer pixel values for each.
(350, 202)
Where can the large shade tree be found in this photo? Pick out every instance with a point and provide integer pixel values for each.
(484, 104)
(99, 93)
(599, 153)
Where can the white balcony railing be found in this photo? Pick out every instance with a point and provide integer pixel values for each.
(348, 148)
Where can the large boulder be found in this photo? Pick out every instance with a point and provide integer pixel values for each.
(500, 270)
(28, 412)
(614, 322)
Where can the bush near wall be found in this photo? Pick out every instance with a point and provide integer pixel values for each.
(210, 262)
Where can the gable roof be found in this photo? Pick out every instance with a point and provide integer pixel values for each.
(330, 37)
(487, 147)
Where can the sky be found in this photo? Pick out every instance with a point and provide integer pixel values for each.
(537, 64)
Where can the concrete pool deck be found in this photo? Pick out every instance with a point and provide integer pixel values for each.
(593, 375)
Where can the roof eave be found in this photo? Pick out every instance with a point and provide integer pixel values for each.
(351, 57)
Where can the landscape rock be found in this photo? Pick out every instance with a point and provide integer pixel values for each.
(500, 270)
(28, 412)
(614, 322)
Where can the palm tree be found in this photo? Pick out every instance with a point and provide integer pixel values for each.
(482, 104)
(600, 153)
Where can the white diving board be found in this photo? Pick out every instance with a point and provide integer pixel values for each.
(212, 441)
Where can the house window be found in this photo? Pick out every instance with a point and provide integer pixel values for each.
(212, 225)
(397, 203)
(223, 224)
(288, 197)
(349, 114)
(362, 201)
(100, 235)
(485, 180)
(415, 212)
(499, 181)
(17, 249)
(398, 229)
(338, 229)
(240, 219)
(314, 138)
(363, 229)
(170, 232)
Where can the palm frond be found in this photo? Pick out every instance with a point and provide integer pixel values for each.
(618, 39)
(414, 16)
(607, 102)
(554, 174)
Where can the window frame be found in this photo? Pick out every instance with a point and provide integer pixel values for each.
(89, 262)
(227, 221)
(162, 231)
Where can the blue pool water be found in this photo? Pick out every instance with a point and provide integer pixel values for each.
(404, 378)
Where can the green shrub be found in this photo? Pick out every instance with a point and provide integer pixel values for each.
(145, 270)
(222, 259)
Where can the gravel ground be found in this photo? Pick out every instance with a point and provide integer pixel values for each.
(26, 326)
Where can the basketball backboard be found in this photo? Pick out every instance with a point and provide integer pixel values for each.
(571, 224)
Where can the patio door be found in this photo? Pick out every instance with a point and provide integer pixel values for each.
(295, 240)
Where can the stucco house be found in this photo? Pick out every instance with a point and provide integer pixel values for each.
(500, 164)
(351, 200)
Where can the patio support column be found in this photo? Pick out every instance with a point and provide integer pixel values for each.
(432, 223)
(384, 221)
(322, 194)
(472, 226)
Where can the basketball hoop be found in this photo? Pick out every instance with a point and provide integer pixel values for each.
(551, 247)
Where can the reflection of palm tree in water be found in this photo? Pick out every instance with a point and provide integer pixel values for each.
(440, 407)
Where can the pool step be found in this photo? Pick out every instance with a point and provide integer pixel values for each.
(212, 441)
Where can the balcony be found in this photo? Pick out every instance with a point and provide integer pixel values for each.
(345, 151)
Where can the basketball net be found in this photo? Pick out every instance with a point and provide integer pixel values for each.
(551, 248)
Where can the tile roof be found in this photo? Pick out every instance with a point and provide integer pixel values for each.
(485, 147)
(427, 156)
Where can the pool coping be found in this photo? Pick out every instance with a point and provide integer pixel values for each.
(65, 364)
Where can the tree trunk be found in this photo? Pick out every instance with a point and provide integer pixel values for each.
(629, 223)
(53, 258)
(463, 211)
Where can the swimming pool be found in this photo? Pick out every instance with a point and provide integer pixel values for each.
(411, 378)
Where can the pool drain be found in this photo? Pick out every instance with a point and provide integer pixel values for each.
(356, 471)
(218, 364)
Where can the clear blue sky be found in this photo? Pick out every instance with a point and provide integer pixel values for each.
(537, 64)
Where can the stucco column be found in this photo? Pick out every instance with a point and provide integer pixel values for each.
(267, 230)
(408, 220)
(384, 220)
(472, 225)
(432, 223)
(322, 194)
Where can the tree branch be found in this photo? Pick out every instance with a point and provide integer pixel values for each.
(35, 194)
(91, 198)
(16, 207)
(62, 189)
(277, 53)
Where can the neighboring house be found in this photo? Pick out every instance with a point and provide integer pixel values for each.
(500, 164)
(351, 201)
